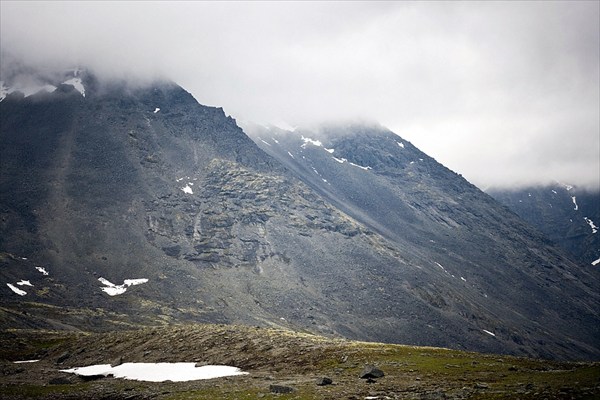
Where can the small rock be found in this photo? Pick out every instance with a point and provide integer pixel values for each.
(60, 381)
(116, 362)
(324, 381)
(481, 385)
(63, 357)
(281, 389)
(370, 371)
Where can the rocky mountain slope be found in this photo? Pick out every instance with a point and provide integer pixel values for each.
(124, 206)
(568, 215)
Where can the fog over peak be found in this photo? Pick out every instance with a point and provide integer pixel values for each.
(506, 94)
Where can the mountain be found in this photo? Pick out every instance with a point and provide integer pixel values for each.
(568, 215)
(126, 205)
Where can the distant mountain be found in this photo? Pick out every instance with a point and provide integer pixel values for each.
(568, 215)
(124, 205)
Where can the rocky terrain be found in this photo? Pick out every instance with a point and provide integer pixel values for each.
(565, 214)
(281, 364)
(124, 206)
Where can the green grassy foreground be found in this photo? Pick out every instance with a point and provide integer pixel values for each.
(278, 357)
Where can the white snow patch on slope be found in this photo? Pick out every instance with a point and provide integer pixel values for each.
(310, 141)
(463, 279)
(3, 91)
(77, 84)
(554, 191)
(42, 270)
(275, 140)
(400, 144)
(16, 290)
(187, 189)
(591, 224)
(596, 262)
(489, 333)
(575, 202)
(268, 144)
(340, 160)
(24, 283)
(157, 109)
(158, 372)
(25, 361)
(361, 167)
(330, 151)
(291, 155)
(112, 290)
(26, 90)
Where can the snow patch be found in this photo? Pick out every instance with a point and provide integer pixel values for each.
(489, 333)
(596, 262)
(554, 191)
(158, 372)
(24, 283)
(26, 90)
(3, 91)
(16, 290)
(268, 144)
(112, 290)
(591, 224)
(361, 167)
(77, 84)
(291, 155)
(25, 361)
(275, 140)
(400, 144)
(42, 270)
(575, 203)
(463, 279)
(156, 110)
(187, 189)
(310, 141)
(340, 160)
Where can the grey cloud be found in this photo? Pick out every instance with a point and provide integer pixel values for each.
(504, 93)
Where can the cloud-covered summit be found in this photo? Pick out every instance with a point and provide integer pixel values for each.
(503, 93)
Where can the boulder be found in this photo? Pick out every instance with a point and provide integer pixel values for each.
(371, 372)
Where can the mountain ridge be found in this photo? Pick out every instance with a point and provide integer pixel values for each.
(145, 183)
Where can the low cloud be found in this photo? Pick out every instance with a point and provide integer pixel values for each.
(503, 93)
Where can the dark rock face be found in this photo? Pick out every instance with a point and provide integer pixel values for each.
(471, 255)
(568, 215)
(102, 186)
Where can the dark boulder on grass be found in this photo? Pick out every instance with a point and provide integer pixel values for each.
(371, 372)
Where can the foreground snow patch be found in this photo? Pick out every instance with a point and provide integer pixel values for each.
(112, 290)
(596, 262)
(158, 372)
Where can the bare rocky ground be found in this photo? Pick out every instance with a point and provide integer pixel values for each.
(276, 359)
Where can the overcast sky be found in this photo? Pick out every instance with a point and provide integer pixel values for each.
(505, 93)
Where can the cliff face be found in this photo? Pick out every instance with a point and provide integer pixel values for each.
(185, 218)
(567, 215)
